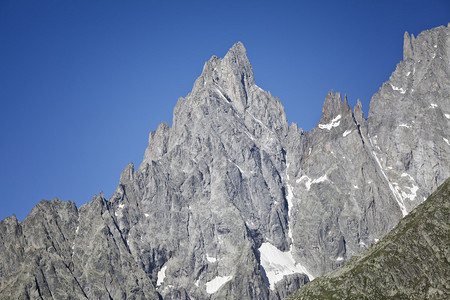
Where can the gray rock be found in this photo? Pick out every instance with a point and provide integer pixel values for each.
(232, 203)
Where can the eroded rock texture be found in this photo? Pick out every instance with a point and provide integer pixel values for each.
(232, 203)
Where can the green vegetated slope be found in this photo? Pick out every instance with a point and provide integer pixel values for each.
(411, 262)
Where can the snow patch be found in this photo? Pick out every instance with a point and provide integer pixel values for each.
(356, 187)
(215, 284)
(146, 215)
(376, 240)
(210, 258)
(407, 74)
(309, 182)
(161, 276)
(404, 125)
(334, 123)
(445, 140)
(339, 258)
(412, 192)
(447, 116)
(277, 264)
(401, 90)
(347, 132)
(76, 230)
(121, 206)
(433, 105)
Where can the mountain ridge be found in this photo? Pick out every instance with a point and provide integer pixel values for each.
(231, 202)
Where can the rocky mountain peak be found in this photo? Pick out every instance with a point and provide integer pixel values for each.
(407, 46)
(231, 203)
(358, 112)
(334, 106)
(127, 174)
(232, 76)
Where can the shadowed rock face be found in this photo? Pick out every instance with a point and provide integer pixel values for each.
(232, 203)
(411, 262)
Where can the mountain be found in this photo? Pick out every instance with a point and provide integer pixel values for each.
(231, 202)
(410, 262)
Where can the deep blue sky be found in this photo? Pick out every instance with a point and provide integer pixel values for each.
(82, 83)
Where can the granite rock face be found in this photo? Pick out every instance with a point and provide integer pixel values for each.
(411, 262)
(232, 203)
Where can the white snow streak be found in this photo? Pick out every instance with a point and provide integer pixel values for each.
(397, 196)
(161, 276)
(433, 105)
(240, 169)
(347, 132)
(76, 230)
(445, 140)
(401, 90)
(289, 197)
(447, 116)
(334, 123)
(221, 95)
(277, 264)
(215, 284)
(339, 259)
(404, 125)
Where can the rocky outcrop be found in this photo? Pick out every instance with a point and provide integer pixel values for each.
(232, 203)
(411, 262)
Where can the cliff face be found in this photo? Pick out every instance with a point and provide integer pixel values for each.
(232, 203)
(410, 262)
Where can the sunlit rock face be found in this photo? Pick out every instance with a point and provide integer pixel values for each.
(232, 203)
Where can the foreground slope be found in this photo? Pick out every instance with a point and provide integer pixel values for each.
(411, 262)
(232, 203)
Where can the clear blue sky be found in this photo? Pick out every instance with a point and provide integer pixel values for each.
(82, 83)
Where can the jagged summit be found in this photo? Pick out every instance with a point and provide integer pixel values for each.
(231, 203)
(333, 106)
(407, 46)
(232, 76)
